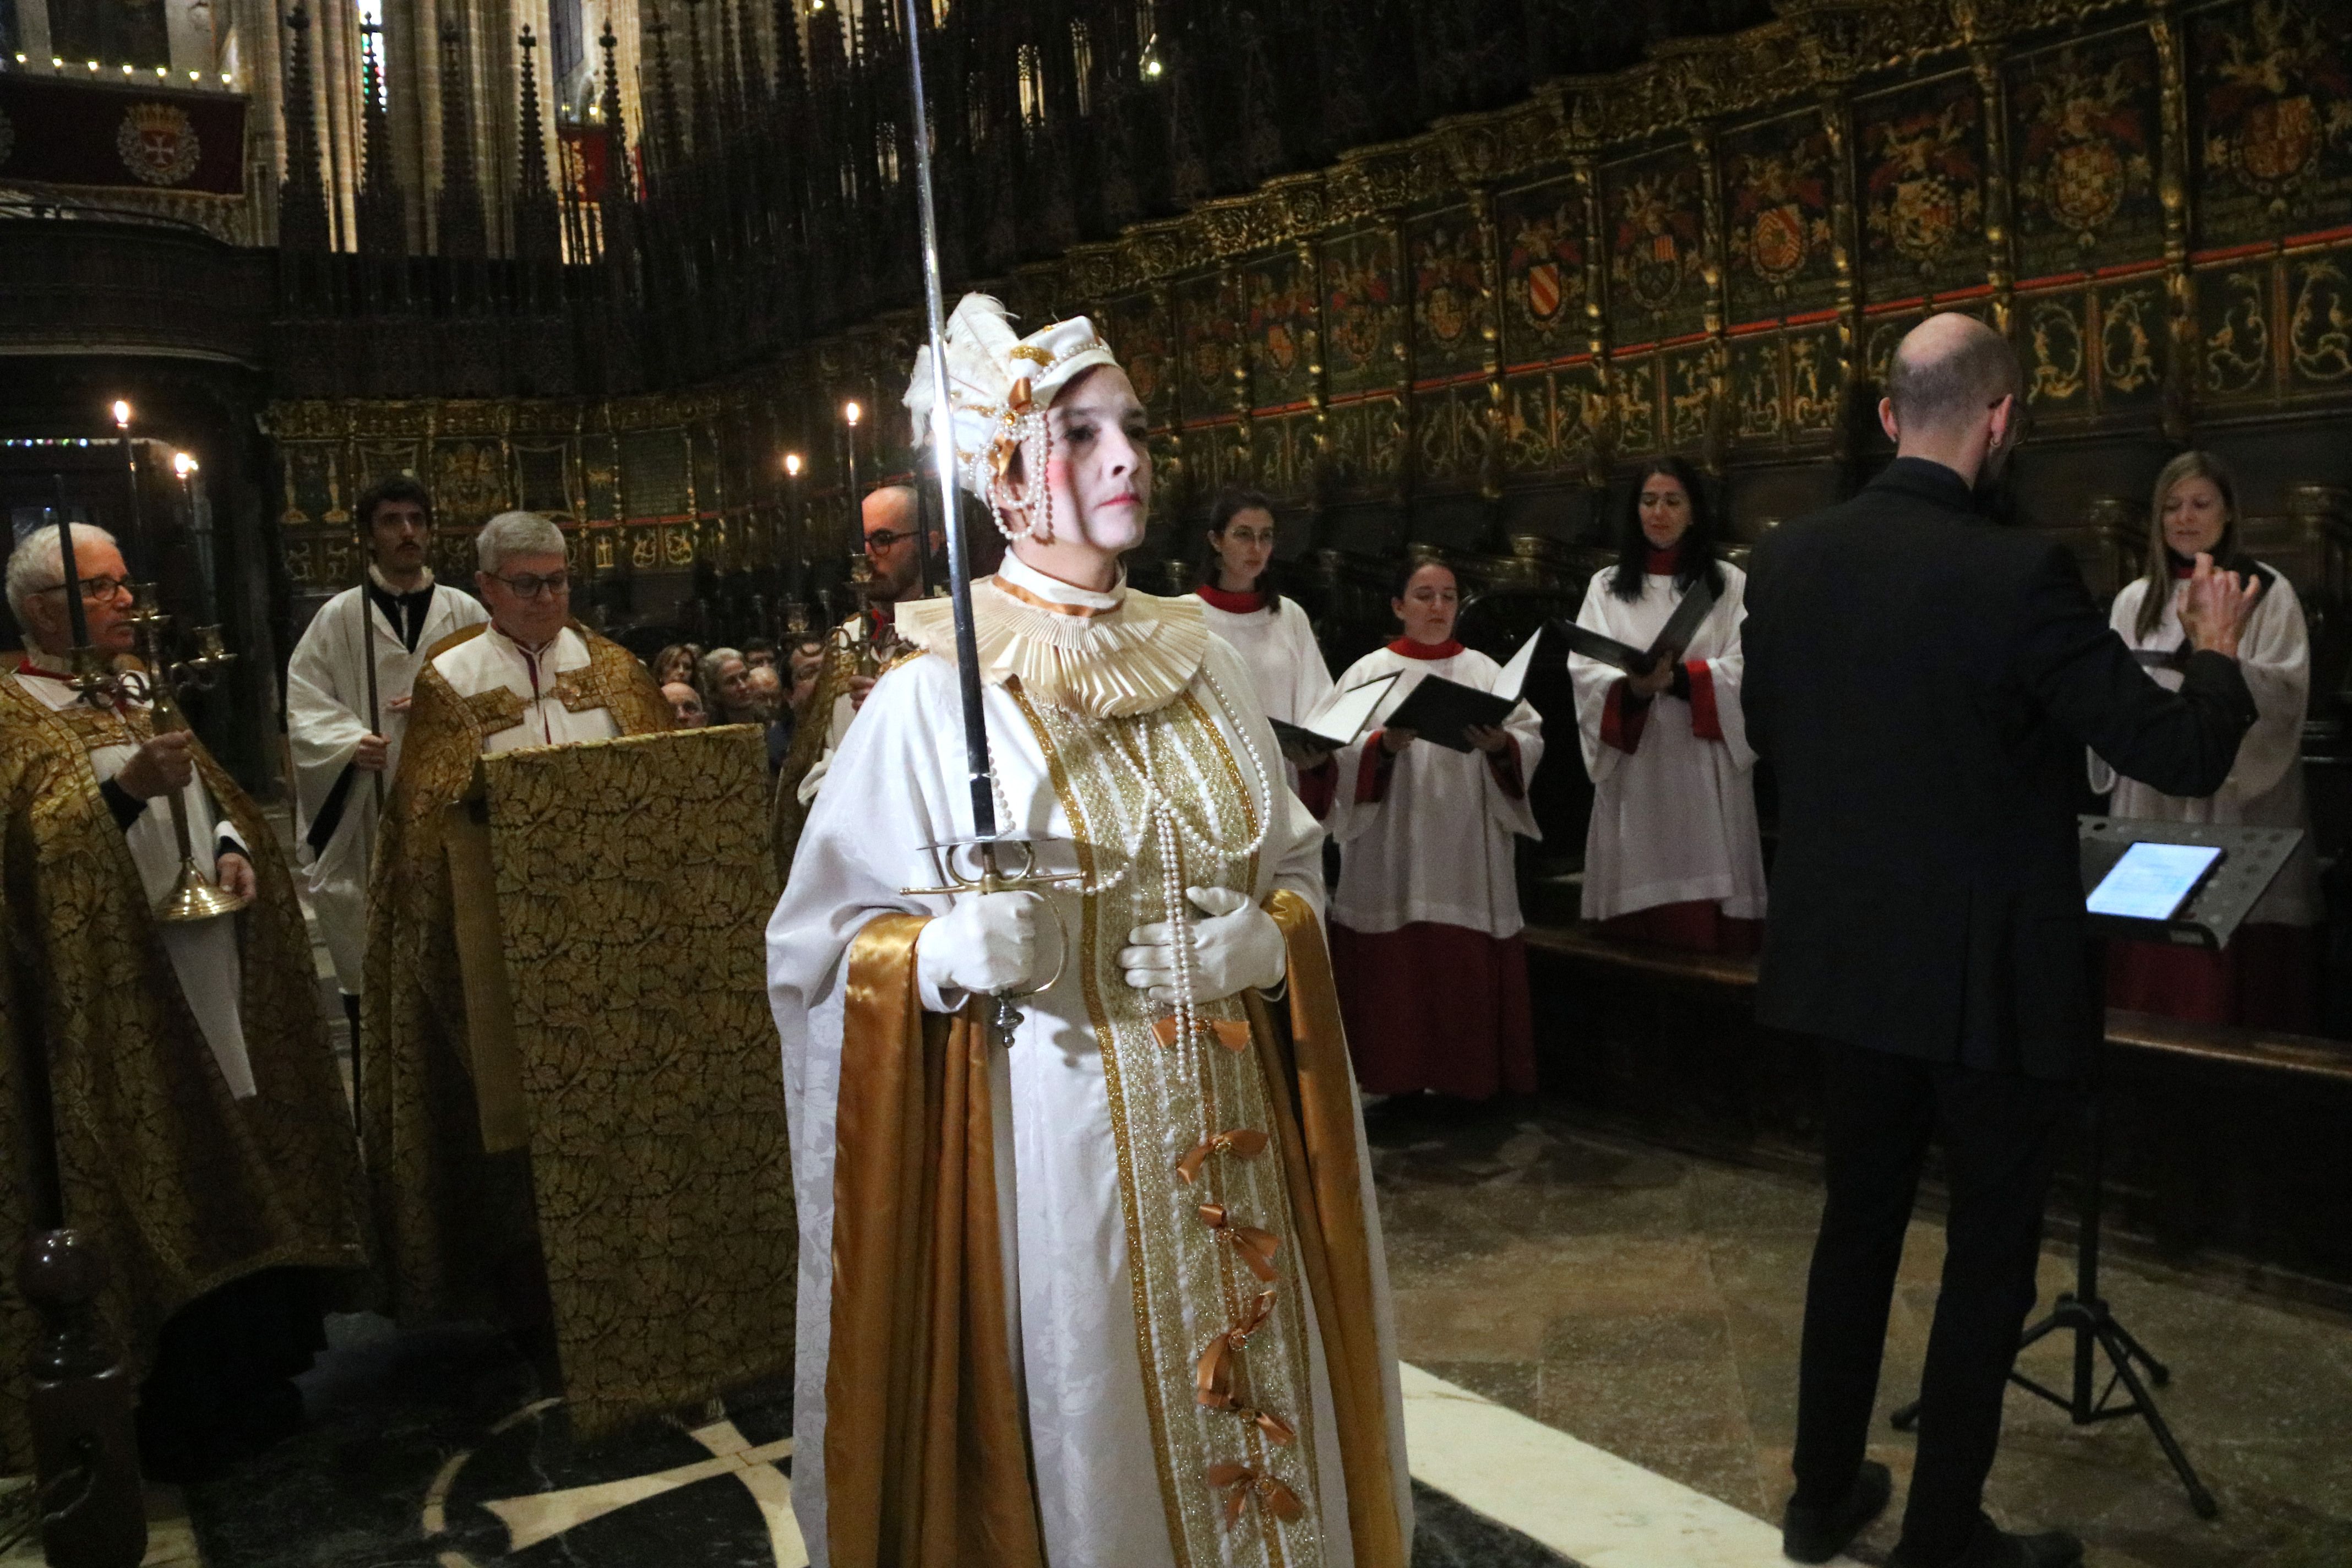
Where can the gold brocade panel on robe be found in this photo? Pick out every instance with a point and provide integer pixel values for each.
(184, 1187)
(1191, 1283)
(632, 884)
(450, 1217)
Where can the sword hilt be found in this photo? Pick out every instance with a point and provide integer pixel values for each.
(1003, 1011)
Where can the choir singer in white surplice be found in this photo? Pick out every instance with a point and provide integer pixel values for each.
(1426, 926)
(1272, 634)
(1673, 855)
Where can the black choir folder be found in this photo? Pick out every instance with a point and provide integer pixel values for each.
(1673, 637)
(1339, 720)
(1440, 710)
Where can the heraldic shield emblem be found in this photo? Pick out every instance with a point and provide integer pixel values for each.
(1544, 290)
(2087, 184)
(2280, 138)
(1777, 245)
(158, 143)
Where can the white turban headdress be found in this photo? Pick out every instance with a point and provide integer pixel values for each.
(999, 386)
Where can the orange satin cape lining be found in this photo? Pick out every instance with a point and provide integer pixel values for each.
(926, 1464)
(927, 1461)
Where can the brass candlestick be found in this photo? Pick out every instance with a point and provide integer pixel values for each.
(194, 895)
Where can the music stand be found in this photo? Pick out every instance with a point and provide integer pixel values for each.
(2251, 857)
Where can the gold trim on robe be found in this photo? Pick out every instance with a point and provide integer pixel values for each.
(453, 1220)
(186, 1187)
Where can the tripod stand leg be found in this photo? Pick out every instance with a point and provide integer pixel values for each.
(2157, 1372)
(2119, 1349)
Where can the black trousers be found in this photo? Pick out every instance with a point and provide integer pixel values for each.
(2000, 1134)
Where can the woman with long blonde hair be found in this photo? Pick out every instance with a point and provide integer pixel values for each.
(2270, 974)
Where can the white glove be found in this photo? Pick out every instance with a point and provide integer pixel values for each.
(1236, 948)
(986, 942)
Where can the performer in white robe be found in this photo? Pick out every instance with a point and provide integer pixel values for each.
(1673, 855)
(1425, 924)
(341, 779)
(1173, 1382)
(2269, 975)
(1271, 633)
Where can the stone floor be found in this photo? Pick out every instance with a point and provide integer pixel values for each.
(1649, 1304)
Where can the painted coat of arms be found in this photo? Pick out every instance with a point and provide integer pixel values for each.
(2087, 149)
(158, 143)
(1545, 265)
(1779, 213)
(2278, 95)
(1281, 312)
(1656, 247)
(1925, 186)
(1445, 283)
(1357, 304)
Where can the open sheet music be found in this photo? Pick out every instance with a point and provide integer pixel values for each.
(1442, 710)
(1672, 638)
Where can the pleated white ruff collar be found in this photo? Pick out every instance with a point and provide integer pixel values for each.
(1108, 656)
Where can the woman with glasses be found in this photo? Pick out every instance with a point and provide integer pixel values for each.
(2269, 974)
(1271, 633)
(1673, 855)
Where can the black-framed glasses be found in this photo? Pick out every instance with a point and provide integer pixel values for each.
(529, 586)
(884, 538)
(92, 588)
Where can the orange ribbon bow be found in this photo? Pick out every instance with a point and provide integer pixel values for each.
(1233, 1034)
(1212, 1374)
(1242, 1142)
(1239, 1483)
(1276, 1428)
(1256, 1247)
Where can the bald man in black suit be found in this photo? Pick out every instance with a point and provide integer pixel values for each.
(1925, 683)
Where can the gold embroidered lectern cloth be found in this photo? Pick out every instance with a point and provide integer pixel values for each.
(632, 881)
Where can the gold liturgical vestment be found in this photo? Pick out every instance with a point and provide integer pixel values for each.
(453, 1220)
(186, 1186)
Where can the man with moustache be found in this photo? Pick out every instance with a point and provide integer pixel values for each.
(1924, 684)
(344, 762)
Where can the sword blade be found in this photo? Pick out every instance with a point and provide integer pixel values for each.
(943, 448)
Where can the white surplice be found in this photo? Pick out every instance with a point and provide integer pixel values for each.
(898, 782)
(493, 659)
(1284, 662)
(1437, 846)
(204, 954)
(1674, 820)
(326, 715)
(2264, 788)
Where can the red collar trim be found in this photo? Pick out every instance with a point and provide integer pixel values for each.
(26, 667)
(1409, 648)
(2182, 573)
(1234, 603)
(1665, 562)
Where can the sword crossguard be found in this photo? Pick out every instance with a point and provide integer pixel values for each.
(994, 877)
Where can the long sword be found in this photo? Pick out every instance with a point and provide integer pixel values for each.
(995, 875)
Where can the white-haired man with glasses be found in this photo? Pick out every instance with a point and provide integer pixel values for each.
(190, 1115)
(531, 675)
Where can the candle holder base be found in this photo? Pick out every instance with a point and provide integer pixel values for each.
(197, 897)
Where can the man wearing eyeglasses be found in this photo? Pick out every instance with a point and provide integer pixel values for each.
(199, 1131)
(530, 675)
(343, 763)
(896, 545)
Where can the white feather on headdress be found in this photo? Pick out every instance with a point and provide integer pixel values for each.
(995, 378)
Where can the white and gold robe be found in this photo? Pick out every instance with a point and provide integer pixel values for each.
(1114, 1284)
(204, 954)
(326, 717)
(492, 660)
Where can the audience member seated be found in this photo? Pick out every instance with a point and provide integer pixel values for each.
(2269, 974)
(726, 686)
(760, 653)
(1673, 855)
(686, 705)
(678, 661)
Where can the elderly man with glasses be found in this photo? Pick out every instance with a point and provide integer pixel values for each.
(531, 675)
(189, 1115)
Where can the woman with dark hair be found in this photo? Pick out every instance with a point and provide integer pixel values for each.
(1425, 941)
(1673, 855)
(1271, 633)
(2269, 975)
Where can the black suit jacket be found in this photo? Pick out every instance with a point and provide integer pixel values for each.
(1924, 684)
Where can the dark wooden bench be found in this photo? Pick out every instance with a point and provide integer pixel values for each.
(2227, 1146)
